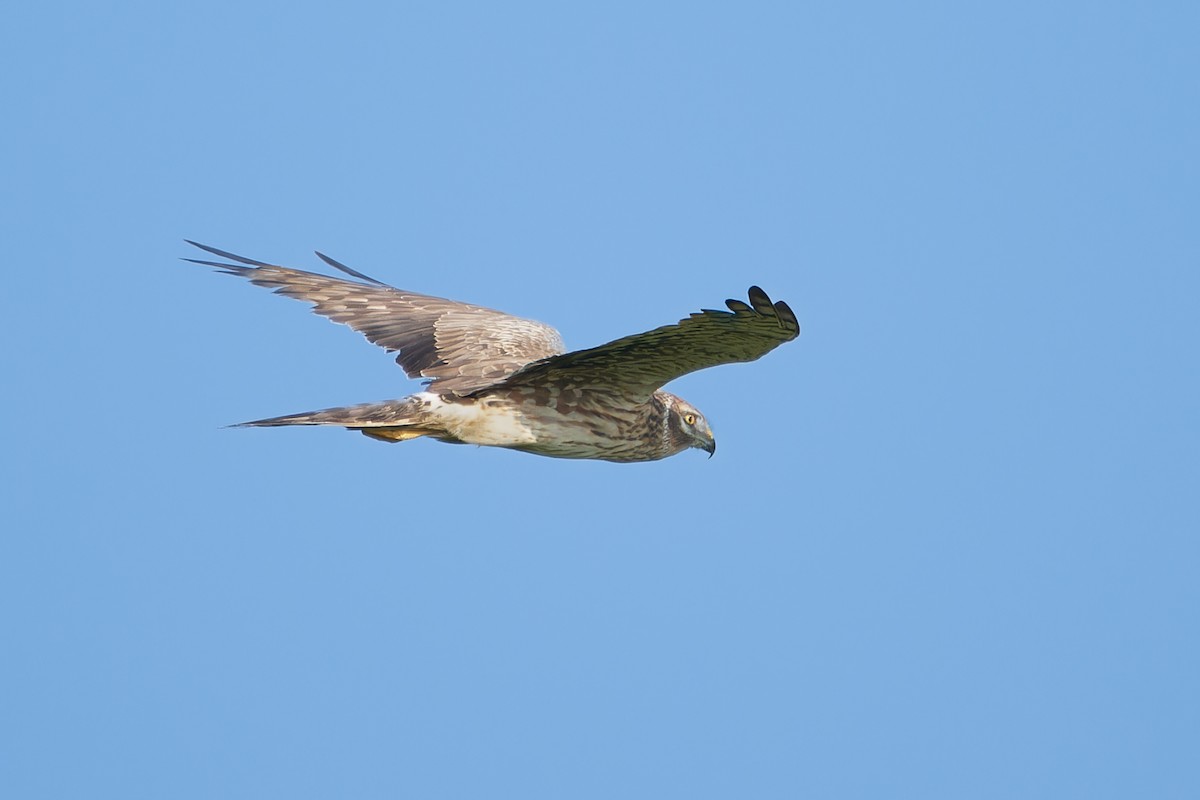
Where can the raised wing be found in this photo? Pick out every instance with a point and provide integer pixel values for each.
(638, 365)
(459, 347)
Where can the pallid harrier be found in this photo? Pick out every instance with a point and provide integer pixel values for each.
(499, 380)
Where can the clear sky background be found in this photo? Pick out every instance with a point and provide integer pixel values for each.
(948, 547)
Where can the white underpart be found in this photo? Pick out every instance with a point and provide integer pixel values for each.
(485, 423)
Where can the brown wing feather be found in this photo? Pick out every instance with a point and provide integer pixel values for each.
(640, 364)
(457, 346)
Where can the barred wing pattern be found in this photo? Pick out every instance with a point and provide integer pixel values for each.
(638, 365)
(457, 346)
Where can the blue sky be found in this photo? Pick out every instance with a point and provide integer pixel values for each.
(947, 547)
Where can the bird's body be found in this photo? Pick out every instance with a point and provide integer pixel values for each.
(502, 381)
(572, 423)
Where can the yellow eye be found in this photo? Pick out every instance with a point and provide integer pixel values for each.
(689, 419)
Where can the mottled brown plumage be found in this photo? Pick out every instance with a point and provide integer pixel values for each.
(499, 380)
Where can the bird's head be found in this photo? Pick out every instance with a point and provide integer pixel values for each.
(690, 428)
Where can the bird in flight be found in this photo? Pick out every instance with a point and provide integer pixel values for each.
(503, 381)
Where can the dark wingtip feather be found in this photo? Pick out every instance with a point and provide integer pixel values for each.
(760, 301)
(216, 264)
(786, 315)
(763, 305)
(352, 272)
(226, 254)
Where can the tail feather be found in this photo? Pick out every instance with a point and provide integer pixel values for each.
(392, 421)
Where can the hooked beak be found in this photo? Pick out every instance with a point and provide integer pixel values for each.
(710, 445)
